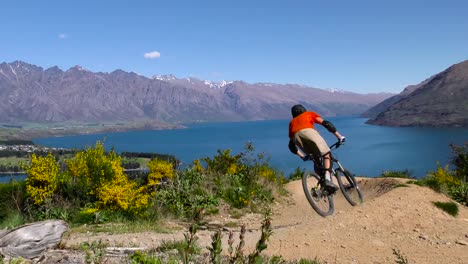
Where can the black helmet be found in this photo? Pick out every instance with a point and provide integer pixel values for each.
(297, 110)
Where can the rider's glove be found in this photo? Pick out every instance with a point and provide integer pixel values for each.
(342, 139)
(306, 158)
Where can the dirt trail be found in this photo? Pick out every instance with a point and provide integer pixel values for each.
(390, 218)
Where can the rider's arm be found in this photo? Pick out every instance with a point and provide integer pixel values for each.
(330, 127)
(294, 150)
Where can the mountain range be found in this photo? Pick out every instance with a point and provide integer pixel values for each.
(33, 94)
(439, 101)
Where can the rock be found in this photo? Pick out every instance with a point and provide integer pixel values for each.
(32, 240)
(378, 243)
(461, 242)
(423, 236)
(57, 256)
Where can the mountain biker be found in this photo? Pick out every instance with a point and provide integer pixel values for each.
(303, 135)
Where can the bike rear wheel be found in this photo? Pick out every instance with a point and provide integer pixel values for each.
(320, 199)
(349, 187)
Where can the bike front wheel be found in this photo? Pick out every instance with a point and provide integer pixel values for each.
(319, 198)
(349, 187)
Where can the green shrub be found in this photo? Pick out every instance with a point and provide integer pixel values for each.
(95, 251)
(460, 161)
(432, 183)
(459, 193)
(12, 198)
(309, 261)
(417, 182)
(140, 257)
(406, 174)
(243, 180)
(296, 174)
(449, 207)
(11, 220)
(186, 195)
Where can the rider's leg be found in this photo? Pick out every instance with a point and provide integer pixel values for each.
(311, 142)
(326, 166)
(328, 181)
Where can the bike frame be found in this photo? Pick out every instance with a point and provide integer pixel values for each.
(333, 160)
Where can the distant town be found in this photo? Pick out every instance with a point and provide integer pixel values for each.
(29, 148)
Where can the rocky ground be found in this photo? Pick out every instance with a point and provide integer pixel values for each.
(402, 219)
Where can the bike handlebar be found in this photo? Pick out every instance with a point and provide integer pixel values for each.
(337, 144)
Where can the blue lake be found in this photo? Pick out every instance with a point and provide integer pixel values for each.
(369, 150)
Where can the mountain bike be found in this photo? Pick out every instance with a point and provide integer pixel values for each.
(321, 198)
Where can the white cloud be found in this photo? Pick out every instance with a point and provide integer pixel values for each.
(62, 36)
(152, 55)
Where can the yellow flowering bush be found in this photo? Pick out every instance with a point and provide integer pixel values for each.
(90, 166)
(43, 177)
(103, 177)
(197, 166)
(123, 196)
(267, 173)
(223, 162)
(232, 168)
(159, 169)
(445, 176)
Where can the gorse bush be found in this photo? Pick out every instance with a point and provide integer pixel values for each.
(222, 163)
(92, 181)
(102, 177)
(159, 169)
(445, 177)
(43, 177)
(448, 181)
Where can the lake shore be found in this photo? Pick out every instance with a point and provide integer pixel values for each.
(34, 131)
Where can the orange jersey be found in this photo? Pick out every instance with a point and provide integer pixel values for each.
(304, 120)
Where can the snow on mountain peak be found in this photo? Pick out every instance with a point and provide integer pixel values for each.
(217, 85)
(168, 77)
(332, 90)
(79, 68)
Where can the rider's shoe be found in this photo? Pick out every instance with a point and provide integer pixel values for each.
(331, 186)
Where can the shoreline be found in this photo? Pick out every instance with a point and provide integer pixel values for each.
(60, 130)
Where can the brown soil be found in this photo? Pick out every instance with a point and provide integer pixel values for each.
(390, 219)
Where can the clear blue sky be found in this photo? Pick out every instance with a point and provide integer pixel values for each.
(359, 46)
